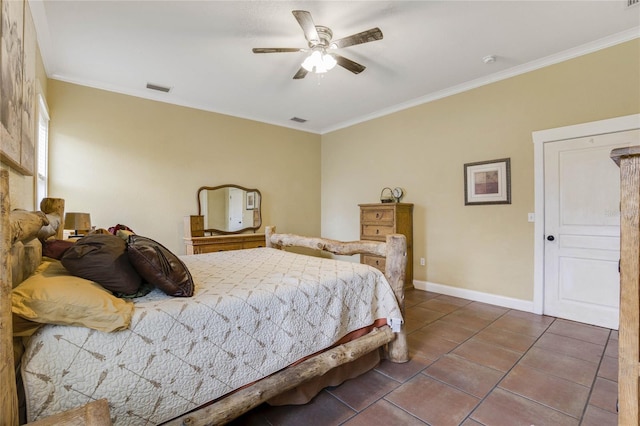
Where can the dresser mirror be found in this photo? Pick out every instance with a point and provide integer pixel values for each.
(229, 209)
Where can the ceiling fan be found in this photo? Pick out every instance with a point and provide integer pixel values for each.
(323, 57)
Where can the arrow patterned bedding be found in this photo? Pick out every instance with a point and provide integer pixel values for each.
(253, 313)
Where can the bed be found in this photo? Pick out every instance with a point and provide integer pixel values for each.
(261, 323)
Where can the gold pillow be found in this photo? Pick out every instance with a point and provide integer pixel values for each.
(53, 296)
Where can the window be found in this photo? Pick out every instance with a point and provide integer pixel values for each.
(42, 154)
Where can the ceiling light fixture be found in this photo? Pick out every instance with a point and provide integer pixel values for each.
(319, 61)
(489, 59)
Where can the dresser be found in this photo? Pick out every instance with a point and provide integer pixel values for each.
(381, 219)
(196, 242)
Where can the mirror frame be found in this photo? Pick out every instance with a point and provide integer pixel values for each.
(239, 231)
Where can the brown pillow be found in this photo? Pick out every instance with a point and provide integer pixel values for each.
(103, 258)
(158, 266)
(55, 249)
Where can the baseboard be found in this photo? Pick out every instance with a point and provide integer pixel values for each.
(476, 296)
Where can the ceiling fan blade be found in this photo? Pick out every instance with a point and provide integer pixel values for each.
(275, 49)
(364, 37)
(352, 66)
(300, 74)
(306, 22)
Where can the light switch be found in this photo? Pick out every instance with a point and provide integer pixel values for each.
(531, 217)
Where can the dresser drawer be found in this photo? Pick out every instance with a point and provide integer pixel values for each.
(375, 261)
(375, 232)
(253, 244)
(213, 243)
(210, 248)
(377, 215)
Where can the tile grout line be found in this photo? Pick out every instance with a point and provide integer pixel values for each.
(468, 417)
(595, 378)
(476, 332)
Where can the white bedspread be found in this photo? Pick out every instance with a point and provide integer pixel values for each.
(253, 313)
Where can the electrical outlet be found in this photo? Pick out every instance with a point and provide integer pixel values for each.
(422, 261)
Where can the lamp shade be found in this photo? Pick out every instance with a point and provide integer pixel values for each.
(77, 221)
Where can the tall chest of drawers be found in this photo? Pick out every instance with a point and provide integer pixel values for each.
(379, 220)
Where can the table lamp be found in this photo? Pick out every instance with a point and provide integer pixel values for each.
(77, 222)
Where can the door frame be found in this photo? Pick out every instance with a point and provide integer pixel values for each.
(540, 137)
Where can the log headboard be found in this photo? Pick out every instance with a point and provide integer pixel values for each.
(20, 255)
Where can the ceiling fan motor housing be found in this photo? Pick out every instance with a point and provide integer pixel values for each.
(325, 34)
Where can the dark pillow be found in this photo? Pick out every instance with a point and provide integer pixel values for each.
(158, 266)
(56, 248)
(103, 258)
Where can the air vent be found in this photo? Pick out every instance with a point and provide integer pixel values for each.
(632, 2)
(158, 88)
(299, 120)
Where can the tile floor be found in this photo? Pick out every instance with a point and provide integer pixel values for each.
(474, 364)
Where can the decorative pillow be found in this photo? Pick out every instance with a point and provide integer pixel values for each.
(103, 258)
(53, 296)
(56, 248)
(158, 266)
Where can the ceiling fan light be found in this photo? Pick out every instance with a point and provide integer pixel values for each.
(312, 61)
(328, 61)
(319, 62)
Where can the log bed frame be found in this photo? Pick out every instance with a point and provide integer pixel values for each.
(21, 252)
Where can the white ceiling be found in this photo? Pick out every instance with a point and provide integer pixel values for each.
(202, 50)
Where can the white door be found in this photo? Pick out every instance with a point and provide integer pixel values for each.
(236, 199)
(582, 228)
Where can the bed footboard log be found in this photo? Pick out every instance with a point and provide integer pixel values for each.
(54, 206)
(396, 265)
(245, 399)
(345, 248)
(8, 393)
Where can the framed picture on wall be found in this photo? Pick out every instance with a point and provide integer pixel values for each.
(251, 200)
(487, 182)
(11, 33)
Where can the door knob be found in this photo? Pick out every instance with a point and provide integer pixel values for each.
(551, 238)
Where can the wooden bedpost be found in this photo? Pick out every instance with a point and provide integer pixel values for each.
(395, 267)
(268, 232)
(629, 331)
(54, 206)
(8, 393)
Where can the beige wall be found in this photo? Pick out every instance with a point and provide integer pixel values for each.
(423, 149)
(140, 163)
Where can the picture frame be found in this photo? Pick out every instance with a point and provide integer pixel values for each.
(11, 38)
(251, 200)
(487, 182)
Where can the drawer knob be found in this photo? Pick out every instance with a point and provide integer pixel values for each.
(377, 231)
(378, 262)
(377, 215)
